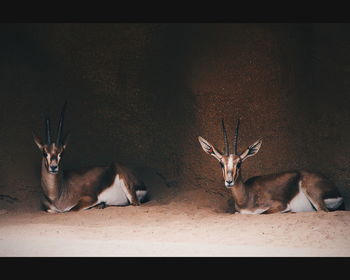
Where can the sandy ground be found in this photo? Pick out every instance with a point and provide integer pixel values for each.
(175, 223)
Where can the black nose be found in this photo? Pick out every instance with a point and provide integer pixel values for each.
(53, 167)
(229, 182)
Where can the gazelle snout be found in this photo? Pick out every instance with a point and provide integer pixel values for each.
(229, 179)
(53, 168)
(229, 184)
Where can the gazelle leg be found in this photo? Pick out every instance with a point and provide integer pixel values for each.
(318, 203)
(277, 207)
(315, 199)
(130, 193)
(101, 205)
(84, 203)
(134, 200)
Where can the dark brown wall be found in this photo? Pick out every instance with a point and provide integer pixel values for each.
(288, 82)
(142, 93)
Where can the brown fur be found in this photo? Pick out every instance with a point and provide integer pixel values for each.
(268, 193)
(275, 191)
(131, 182)
(82, 187)
(318, 187)
(77, 189)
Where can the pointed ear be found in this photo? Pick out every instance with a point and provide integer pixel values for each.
(252, 150)
(65, 140)
(209, 148)
(38, 141)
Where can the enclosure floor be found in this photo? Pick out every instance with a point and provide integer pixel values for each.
(173, 229)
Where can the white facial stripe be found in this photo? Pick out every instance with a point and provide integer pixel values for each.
(228, 170)
(230, 163)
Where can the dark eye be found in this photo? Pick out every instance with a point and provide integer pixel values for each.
(44, 154)
(221, 164)
(239, 164)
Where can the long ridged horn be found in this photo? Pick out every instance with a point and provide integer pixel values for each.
(60, 124)
(226, 148)
(47, 131)
(235, 140)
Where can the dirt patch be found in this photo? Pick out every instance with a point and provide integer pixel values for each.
(176, 223)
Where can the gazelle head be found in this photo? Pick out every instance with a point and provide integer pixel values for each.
(230, 163)
(53, 151)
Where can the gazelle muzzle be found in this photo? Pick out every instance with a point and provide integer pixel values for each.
(53, 166)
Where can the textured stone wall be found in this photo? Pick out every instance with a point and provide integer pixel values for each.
(142, 93)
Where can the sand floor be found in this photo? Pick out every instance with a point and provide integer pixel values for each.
(173, 229)
(178, 221)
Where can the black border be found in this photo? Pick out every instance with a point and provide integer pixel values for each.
(168, 12)
(173, 266)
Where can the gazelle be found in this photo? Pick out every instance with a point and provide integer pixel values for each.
(294, 191)
(78, 190)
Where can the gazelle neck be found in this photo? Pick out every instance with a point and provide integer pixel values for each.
(239, 192)
(51, 183)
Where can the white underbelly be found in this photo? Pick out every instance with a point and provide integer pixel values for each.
(141, 194)
(333, 203)
(114, 195)
(253, 211)
(300, 203)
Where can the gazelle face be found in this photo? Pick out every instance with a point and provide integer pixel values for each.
(230, 166)
(53, 151)
(52, 155)
(230, 163)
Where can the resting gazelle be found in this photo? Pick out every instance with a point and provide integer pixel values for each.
(78, 190)
(294, 191)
